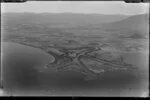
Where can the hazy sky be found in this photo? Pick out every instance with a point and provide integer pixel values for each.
(100, 7)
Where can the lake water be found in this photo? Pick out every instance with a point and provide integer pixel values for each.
(23, 74)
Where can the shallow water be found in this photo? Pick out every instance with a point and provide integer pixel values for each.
(23, 74)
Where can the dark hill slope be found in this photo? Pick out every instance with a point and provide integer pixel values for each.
(134, 24)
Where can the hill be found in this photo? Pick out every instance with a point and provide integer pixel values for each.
(137, 24)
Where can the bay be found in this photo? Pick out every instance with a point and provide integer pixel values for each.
(24, 74)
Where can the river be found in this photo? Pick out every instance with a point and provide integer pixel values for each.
(24, 74)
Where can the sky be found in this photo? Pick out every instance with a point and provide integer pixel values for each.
(98, 7)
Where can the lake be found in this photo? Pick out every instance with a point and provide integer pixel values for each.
(24, 74)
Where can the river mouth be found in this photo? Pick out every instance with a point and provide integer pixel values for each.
(23, 74)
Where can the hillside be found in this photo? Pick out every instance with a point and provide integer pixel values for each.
(135, 24)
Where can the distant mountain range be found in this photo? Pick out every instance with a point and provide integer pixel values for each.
(136, 24)
(67, 19)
